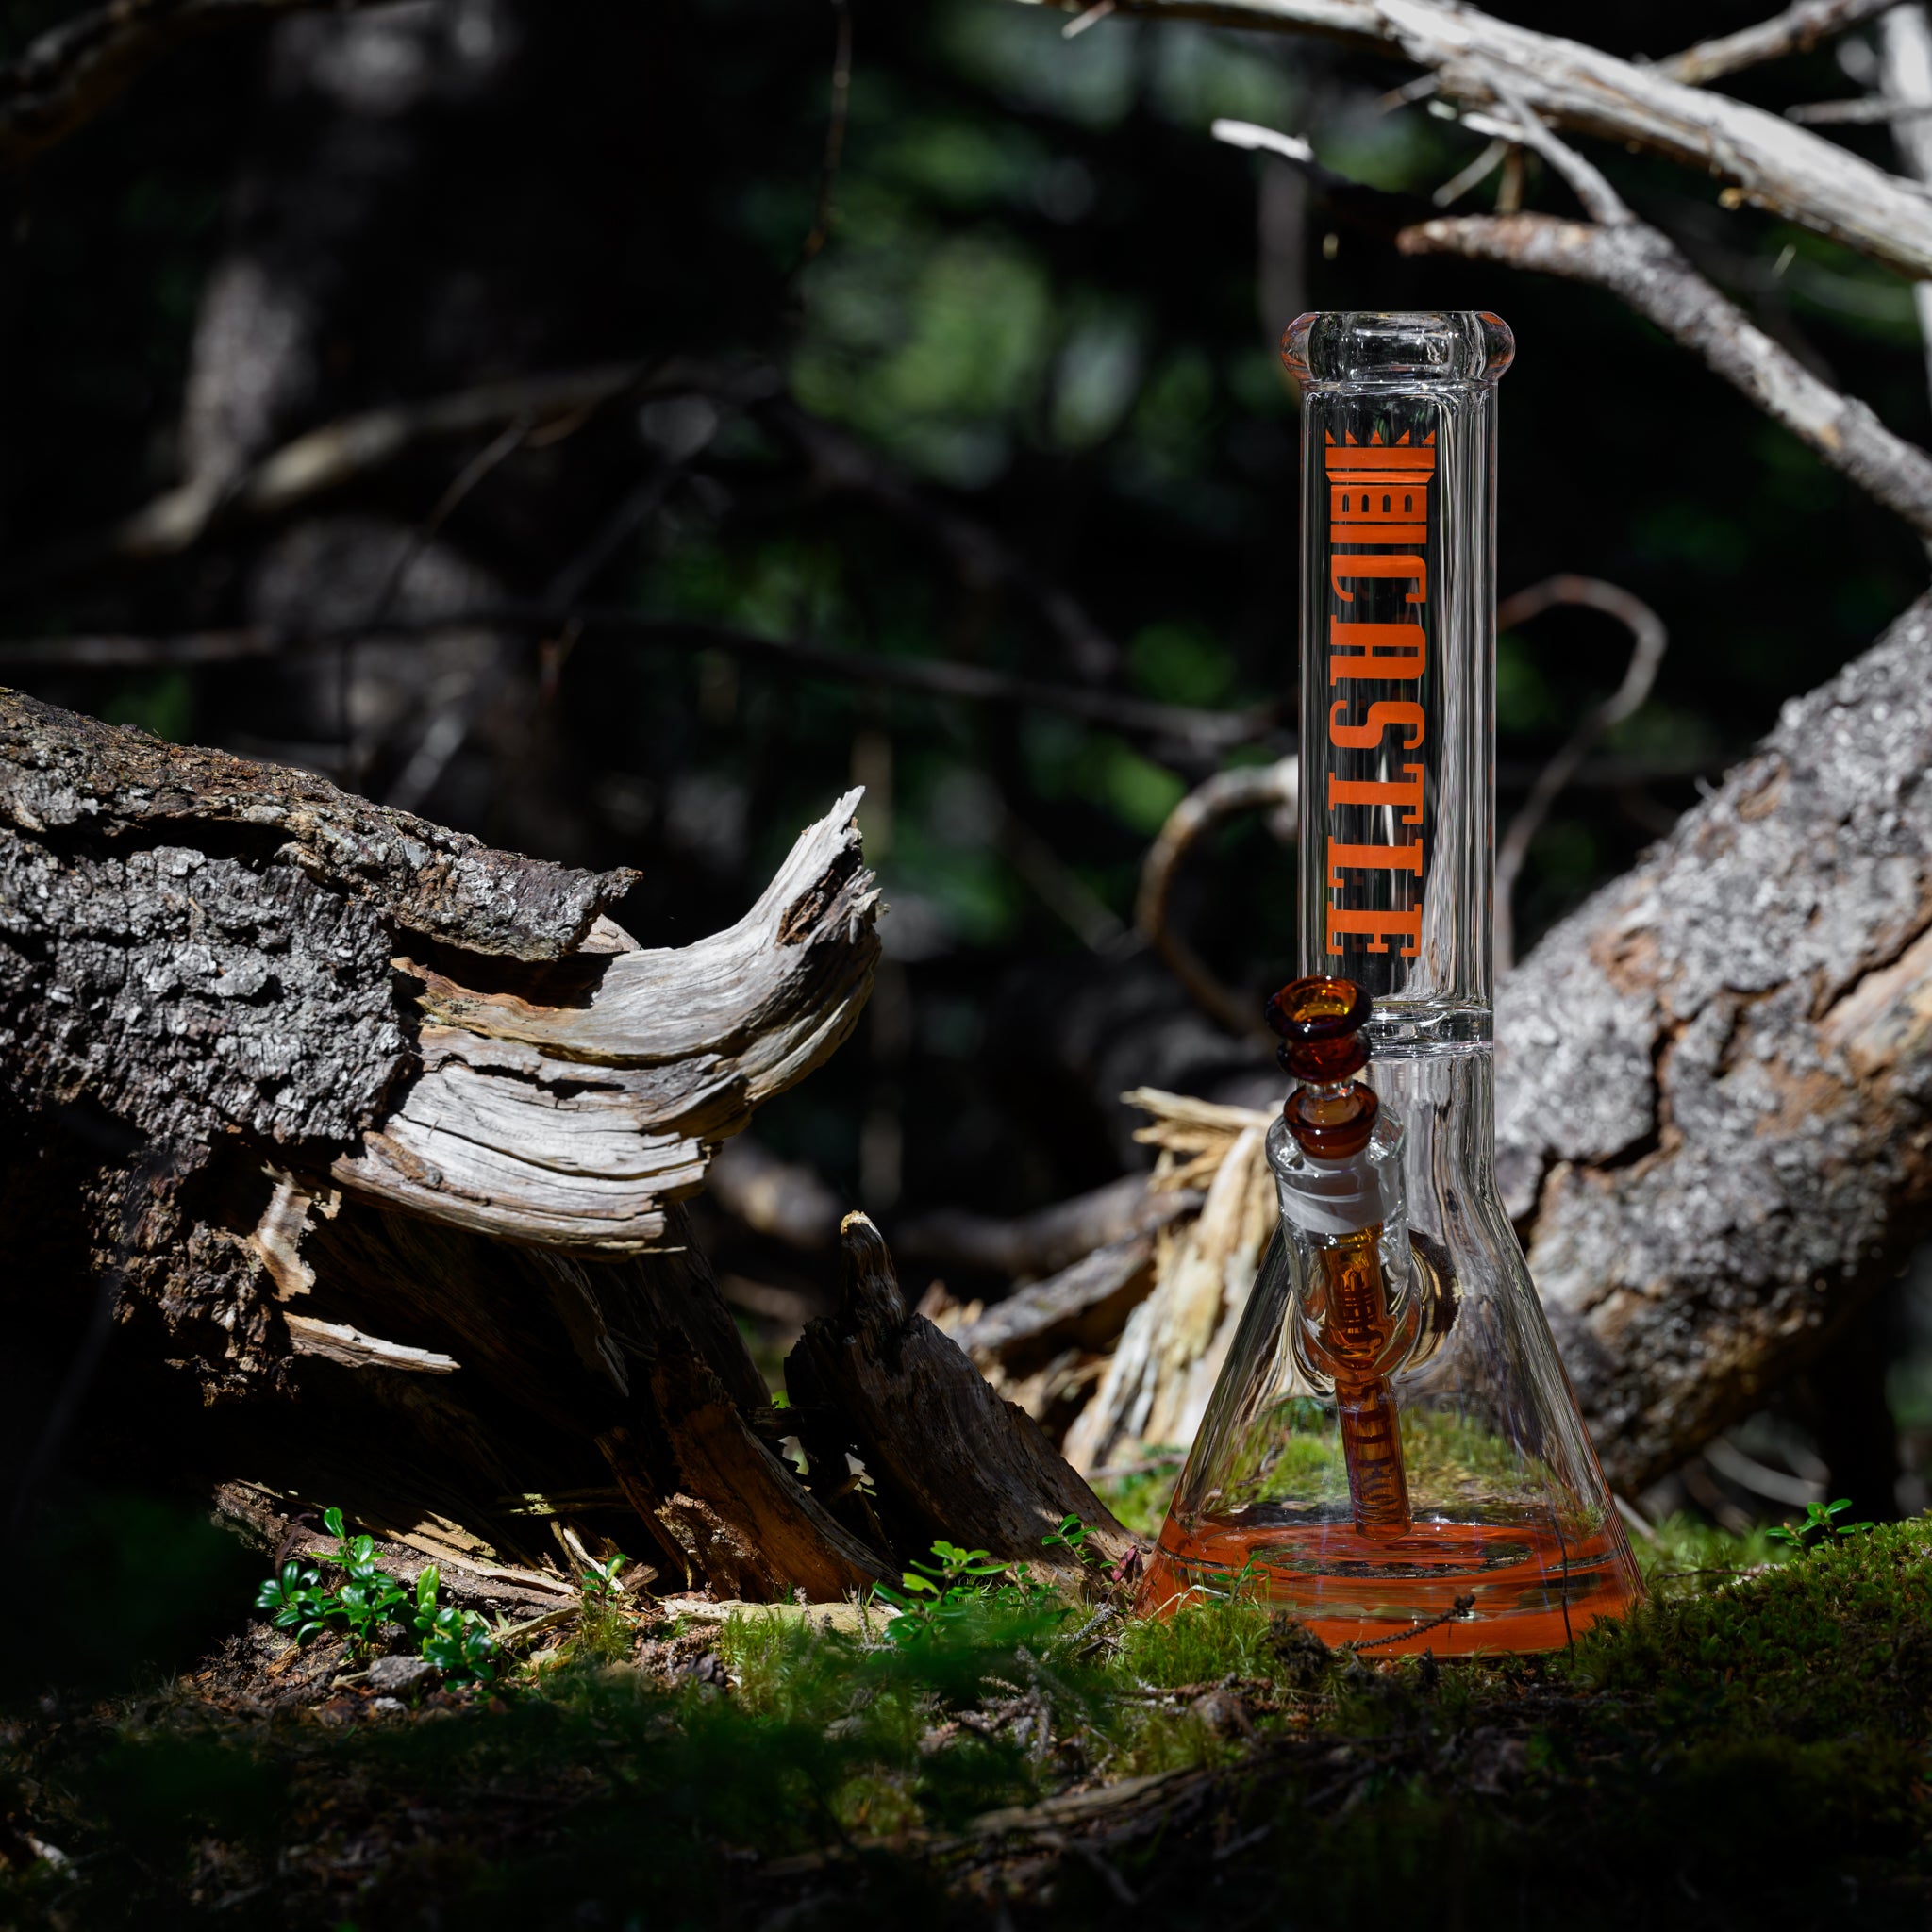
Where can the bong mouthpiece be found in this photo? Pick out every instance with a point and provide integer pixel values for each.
(1320, 1021)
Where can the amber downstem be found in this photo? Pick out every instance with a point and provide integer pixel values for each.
(1371, 1446)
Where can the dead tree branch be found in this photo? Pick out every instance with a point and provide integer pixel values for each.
(1203, 731)
(1864, 111)
(1772, 162)
(1796, 30)
(321, 1012)
(1227, 795)
(569, 1115)
(977, 1469)
(1043, 1242)
(1635, 261)
(73, 71)
(841, 463)
(1648, 641)
(1904, 55)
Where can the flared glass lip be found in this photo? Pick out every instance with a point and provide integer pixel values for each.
(1373, 347)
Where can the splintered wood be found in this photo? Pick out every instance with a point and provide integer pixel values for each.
(1156, 1387)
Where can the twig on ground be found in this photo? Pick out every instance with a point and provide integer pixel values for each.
(1648, 641)
(1461, 1608)
(1226, 795)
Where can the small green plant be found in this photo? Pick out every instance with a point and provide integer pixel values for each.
(1072, 1537)
(1820, 1521)
(603, 1629)
(358, 1607)
(299, 1603)
(936, 1595)
(365, 1600)
(600, 1585)
(457, 1641)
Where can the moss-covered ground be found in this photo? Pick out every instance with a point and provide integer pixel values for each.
(1748, 1749)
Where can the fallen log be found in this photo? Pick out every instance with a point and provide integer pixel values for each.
(1715, 1079)
(376, 1139)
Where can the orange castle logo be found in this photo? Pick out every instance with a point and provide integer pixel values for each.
(1379, 508)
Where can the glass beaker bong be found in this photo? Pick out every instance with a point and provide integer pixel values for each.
(1393, 1453)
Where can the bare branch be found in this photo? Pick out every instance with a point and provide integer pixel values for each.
(1635, 261)
(1047, 1241)
(835, 134)
(1905, 52)
(1648, 641)
(1207, 733)
(350, 449)
(1226, 795)
(356, 447)
(839, 462)
(1460, 183)
(1862, 111)
(1776, 164)
(1600, 200)
(1251, 134)
(73, 71)
(1796, 30)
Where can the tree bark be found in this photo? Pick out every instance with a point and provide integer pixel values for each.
(1715, 1079)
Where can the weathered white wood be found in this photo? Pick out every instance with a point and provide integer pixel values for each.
(574, 1125)
(336, 1342)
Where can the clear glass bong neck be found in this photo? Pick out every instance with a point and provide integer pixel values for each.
(1398, 627)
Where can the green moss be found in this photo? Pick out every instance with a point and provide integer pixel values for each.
(1200, 1643)
(1747, 1748)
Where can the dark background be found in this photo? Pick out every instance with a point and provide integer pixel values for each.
(1045, 303)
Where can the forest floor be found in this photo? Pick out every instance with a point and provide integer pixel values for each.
(1748, 1748)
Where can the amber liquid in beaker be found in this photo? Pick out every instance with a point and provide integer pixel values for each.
(1534, 1589)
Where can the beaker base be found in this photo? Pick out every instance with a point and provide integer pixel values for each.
(1532, 1589)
